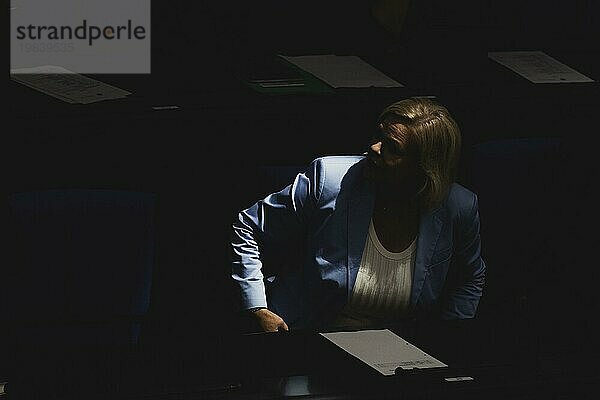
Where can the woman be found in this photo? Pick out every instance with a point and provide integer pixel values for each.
(361, 241)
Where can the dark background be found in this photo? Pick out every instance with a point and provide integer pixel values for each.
(201, 159)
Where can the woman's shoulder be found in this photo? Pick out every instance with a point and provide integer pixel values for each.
(328, 173)
(461, 200)
(332, 169)
(335, 163)
(460, 193)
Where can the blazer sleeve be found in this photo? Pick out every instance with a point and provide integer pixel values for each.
(272, 226)
(463, 297)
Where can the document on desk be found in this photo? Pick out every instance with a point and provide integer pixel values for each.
(66, 85)
(343, 71)
(538, 67)
(383, 350)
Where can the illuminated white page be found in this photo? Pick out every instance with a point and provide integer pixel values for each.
(66, 85)
(383, 350)
(343, 71)
(538, 67)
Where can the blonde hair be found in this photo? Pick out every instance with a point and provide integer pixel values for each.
(437, 141)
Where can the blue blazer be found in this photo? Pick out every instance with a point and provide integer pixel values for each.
(298, 251)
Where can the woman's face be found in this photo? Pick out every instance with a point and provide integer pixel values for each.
(393, 159)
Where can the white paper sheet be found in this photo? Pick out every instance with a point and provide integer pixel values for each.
(66, 85)
(383, 350)
(538, 67)
(343, 71)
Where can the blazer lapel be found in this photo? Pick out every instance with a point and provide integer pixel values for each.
(430, 226)
(360, 209)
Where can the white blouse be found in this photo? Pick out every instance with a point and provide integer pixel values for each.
(383, 285)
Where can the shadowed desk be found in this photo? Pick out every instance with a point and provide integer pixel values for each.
(502, 365)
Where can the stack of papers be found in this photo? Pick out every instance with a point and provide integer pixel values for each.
(66, 85)
(383, 350)
(343, 71)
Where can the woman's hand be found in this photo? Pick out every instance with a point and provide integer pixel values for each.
(269, 321)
